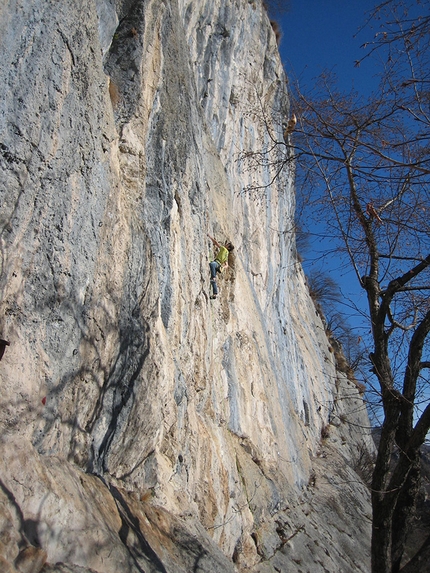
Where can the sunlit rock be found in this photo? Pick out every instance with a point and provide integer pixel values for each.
(145, 427)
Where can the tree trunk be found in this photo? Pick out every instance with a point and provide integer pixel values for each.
(405, 507)
(384, 495)
(382, 505)
(381, 538)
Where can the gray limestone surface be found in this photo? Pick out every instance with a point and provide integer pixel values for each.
(145, 427)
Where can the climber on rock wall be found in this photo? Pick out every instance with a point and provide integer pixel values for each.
(219, 263)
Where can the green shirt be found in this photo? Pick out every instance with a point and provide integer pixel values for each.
(222, 255)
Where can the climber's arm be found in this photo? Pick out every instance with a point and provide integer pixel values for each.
(214, 241)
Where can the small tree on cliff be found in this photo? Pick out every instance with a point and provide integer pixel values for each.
(366, 163)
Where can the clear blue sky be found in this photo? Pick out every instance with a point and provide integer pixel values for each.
(318, 35)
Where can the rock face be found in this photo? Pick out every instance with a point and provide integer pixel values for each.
(145, 427)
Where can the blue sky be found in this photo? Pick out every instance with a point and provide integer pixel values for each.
(318, 35)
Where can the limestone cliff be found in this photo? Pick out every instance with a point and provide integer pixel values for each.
(145, 427)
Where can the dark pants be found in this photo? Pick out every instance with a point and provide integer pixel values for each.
(214, 266)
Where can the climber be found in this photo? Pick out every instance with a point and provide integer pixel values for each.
(372, 212)
(219, 263)
(289, 128)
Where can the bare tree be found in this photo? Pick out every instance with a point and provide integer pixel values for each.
(366, 165)
(368, 162)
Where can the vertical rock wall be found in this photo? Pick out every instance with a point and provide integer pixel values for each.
(145, 427)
